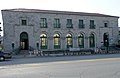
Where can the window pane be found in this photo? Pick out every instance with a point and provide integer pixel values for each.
(92, 41)
(81, 25)
(105, 25)
(56, 41)
(69, 21)
(57, 23)
(43, 22)
(92, 25)
(69, 40)
(81, 41)
(91, 22)
(43, 43)
(24, 22)
(81, 22)
(43, 38)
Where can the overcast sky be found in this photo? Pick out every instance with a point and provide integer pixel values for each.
(109, 7)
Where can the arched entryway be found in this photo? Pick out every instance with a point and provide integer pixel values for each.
(106, 39)
(81, 40)
(92, 40)
(24, 41)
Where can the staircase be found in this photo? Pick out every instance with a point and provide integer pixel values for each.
(24, 52)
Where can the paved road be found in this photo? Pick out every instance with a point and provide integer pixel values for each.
(99, 66)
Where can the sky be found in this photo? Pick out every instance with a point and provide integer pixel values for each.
(109, 7)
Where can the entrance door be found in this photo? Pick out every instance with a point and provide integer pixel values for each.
(106, 39)
(24, 41)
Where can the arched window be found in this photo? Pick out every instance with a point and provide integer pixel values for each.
(56, 41)
(81, 41)
(43, 40)
(92, 41)
(69, 40)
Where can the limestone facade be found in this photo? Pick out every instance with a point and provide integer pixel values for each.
(34, 28)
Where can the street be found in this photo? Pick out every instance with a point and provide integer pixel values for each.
(94, 66)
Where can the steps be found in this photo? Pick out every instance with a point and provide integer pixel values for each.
(24, 52)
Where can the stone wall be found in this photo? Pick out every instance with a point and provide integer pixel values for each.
(13, 29)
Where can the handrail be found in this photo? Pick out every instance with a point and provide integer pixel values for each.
(16, 50)
(31, 48)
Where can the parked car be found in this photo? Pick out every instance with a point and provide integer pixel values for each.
(4, 56)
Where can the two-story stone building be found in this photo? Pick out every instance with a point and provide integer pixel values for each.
(57, 30)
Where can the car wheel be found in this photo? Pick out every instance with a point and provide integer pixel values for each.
(2, 58)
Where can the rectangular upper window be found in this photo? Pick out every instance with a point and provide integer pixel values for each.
(105, 24)
(56, 23)
(24, 22)
(69, 23)
(92, 25)
(81, 24)
(43, 23)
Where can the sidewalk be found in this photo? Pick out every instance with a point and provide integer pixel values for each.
(36, 56)
(24, 56)
(58, 55)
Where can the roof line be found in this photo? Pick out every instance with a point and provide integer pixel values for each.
(58, 12)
